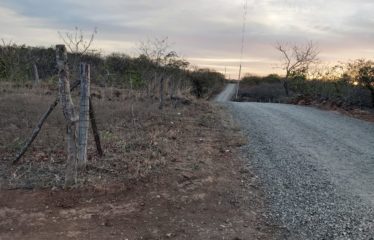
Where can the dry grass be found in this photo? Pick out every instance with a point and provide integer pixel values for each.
(166, 174)
(137, 137)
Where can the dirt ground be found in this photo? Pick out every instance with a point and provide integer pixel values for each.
(170, 174)
(366, 114)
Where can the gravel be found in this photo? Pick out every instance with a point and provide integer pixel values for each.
(316, 168)
(226, 94)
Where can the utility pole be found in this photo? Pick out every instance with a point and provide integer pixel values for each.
(237, 87)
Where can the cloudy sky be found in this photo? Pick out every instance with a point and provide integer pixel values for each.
(206, 32)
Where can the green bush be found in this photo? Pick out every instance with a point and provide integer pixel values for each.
(206, 82)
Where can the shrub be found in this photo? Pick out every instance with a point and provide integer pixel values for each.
(206, 82)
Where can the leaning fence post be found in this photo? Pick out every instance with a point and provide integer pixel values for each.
(84, 119)
(39, 125)
(94, 129)
(69, 114)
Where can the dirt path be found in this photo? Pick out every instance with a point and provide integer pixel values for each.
(317, 168)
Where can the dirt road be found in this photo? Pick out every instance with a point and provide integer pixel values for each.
(226, 94)
(317, 168)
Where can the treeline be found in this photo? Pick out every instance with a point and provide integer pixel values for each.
(24, 65)
(347, 84)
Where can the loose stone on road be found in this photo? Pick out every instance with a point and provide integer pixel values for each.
(316, 167)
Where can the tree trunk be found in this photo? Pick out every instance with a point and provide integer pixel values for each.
(161, 92)
(130, 78)
(285, 85)
(84, 119)
(372, 97)
(69, 114)
(154, 85)
(171, 86)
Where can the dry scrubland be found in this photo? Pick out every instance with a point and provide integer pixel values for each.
(169, 174)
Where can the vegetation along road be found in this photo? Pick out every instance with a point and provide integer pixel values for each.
(316, 167)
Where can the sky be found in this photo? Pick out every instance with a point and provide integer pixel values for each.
(208, 33)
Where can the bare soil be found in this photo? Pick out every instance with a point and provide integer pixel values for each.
(170, 174)
(363, 113)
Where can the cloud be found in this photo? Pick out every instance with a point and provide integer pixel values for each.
(207, 32)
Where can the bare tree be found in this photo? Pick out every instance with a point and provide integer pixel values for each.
(156, 50)
(78, 44)
(296, 60)
(159, 53)
(76, 41)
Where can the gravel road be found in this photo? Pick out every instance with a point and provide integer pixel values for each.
(316, 167)
(226, 94)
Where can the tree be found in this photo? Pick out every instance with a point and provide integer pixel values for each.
(158, 52)
(205, 82)
(366, 78)
(296, 60)
(175, 68)
(78, 44)
(361, 72)
(76, 41)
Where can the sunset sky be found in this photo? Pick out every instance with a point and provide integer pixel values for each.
(206, 32)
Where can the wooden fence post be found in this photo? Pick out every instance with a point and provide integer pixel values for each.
(84, 119)
(36, 74)
(69, 114)
(161, 93)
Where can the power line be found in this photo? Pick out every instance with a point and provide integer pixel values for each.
(245, 12)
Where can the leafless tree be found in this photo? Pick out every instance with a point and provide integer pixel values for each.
(296, 60)
(78, 44)
(76, 41)
(156, 50)
(159, 53)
